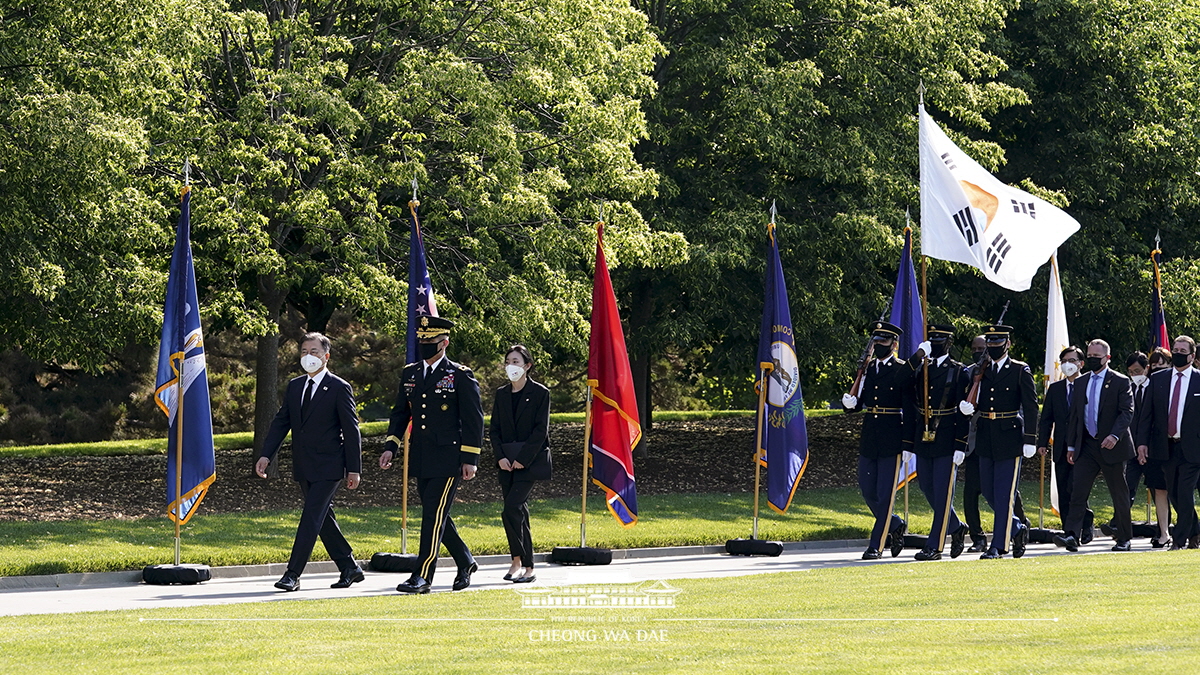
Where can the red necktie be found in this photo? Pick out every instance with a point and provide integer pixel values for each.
(1173, 415)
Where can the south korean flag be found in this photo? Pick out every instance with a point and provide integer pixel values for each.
(968, 216)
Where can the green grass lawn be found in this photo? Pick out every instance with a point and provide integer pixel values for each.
(266, 536)
(1057, 615)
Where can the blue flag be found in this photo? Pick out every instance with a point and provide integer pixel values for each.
(908, 315)
(182, 372)
(420, 287)
(783, 445)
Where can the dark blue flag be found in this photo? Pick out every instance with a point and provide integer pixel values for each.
(182, 372)
(420, 287)
(909, 316)
(783, 445)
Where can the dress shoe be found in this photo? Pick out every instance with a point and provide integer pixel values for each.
(1123, 546)
(928, 555)
(1020, 541)
(463, 578)
(992, 554)
(1085, 537)
(978, 545)
(1107, 529)
(872, 554)
(525, 580)
(1066, 541)
(898, 538)
(508, 576)
(414, 585)
(348, 577)
(1176, 547)
(1155, 543)
(1194, 541)
(958, 540)
(289, 582)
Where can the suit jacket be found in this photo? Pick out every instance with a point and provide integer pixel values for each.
(886, 434)
(1139, 397)
(446, 415)
(1155, 408)
(1010, 390)
(530, 425)
(948, 384)
(1112, 418)
(1055, 418)
(326, 444)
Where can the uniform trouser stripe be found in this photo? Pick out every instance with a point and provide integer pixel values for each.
(1012, 490)
(439, 523)
(949, 508)
(887, 517)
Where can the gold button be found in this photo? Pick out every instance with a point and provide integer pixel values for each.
(422, 426)
(422, 417)
(424, 395)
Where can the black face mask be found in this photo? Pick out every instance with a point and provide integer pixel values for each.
(427, 351)
(997, 353)
(1180, 360)
(976, 356)
(883, 351)
(1094, 363)
(937, 349)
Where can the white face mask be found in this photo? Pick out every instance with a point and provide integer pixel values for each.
(514, 372)
(1139, 380)
(1069, 369)
(311, 364)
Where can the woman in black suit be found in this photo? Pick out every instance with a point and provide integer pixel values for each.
(520, 438)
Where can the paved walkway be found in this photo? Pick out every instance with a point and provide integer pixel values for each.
(83, 593)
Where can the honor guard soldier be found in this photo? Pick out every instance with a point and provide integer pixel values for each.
(1005, 431)
(883, 393)
(441, 399)
(940, 436)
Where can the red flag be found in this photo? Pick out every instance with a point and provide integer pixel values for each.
(615, 427)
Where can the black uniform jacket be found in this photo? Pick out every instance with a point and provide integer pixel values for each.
(886, 401)
(1156, 407)
(1010, 394)
(530, 425)
(948, 384)
(325, 440)
(446, 415)
(1112, 418)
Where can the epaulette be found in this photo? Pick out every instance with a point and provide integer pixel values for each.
(463, 368)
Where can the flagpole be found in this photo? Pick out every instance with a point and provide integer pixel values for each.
(587, 440)
(762, 402)
(404, 495)
(178, 457)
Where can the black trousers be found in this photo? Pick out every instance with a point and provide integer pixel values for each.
(1064, 477)
(437, 496)
(1088, 465)
(515, 517)
(1181, 478)
(317, 520)
(973, 490)
(998, 479)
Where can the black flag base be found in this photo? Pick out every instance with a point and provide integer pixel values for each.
(1041, 535)
(915, 541)
(165, 575)
(753, 547)
(580, 555)
(393, 562)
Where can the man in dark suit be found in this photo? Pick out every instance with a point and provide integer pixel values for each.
(318, 409)
(1170, 432)
(939, 439)
(441, 399)
(1052, 424)
(884, 396)
(1098, 441)
(1005, 430)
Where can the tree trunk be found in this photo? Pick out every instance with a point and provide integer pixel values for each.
(266, 368)
(642, 360)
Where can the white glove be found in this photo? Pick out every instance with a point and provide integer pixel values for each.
(925, 347)
(959, 456)
(1028, 450)
(966, 408)
(849, 402)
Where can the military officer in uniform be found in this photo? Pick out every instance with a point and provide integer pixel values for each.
(441, 399)
(940, 443)
(1005, 430)
(884, 396)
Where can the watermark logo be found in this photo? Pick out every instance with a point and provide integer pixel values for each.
(656, 595)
